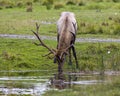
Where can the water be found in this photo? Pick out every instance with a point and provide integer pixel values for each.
(33, 85)
(38, 85)
(16, 36)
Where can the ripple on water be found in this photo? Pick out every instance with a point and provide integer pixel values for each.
(37, 85)
(28, 85)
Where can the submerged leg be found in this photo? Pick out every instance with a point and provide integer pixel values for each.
(60, 72)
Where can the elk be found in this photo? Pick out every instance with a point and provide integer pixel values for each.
(66, 36)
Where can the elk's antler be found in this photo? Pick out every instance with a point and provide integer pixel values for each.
(65, 50)
(51, 51)
(41, 43)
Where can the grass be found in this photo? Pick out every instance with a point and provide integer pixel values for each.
(21, 22)
(98, 22)
(94, 18)
(22, 54)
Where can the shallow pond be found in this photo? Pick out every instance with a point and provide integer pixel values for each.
(37, 85)
(34, 85)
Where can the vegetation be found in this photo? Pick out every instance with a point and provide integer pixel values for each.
(22, 55)
(95, 18)
(99, 18)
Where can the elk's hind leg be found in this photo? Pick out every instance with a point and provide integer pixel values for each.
(70, 61)
(74, 54)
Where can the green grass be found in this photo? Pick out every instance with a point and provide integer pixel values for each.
(94, 56)
(22, 54)
(92, 22)
(94, 18)
(18, 21)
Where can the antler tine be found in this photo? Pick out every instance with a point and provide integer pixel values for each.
(69, 47)
(41, 42)
(65, 50)
(36, 44)
(47, 54)
(37, 27)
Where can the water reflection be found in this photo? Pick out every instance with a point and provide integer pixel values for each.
(87, 82)
(37, 85)
(24, 85)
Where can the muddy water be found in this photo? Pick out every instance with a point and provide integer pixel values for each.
(37, 85)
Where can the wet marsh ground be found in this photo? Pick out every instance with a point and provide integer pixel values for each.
(87, 84)
(25, 72)
(105, 86)
(21, 85)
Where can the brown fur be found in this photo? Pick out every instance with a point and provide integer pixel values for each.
(66, 37)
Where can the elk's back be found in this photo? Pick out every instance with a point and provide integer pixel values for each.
(66, 30)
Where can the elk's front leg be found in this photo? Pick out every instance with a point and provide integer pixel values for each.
(60, 71)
